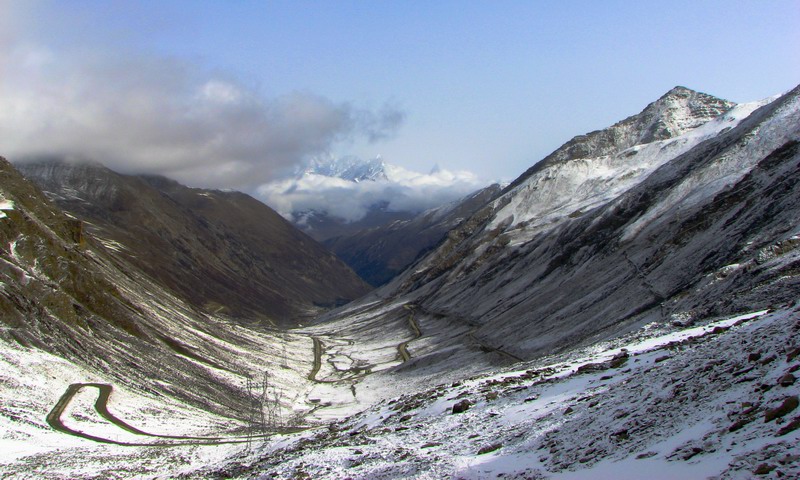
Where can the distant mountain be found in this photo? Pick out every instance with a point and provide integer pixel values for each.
(381, 252)
(348, 168)
(375, 216)
(223, 252)
(340, 197)
(324, 227)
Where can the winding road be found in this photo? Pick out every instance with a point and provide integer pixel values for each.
(101, 407)
(402, 348)
(402, 351)
(317, 359)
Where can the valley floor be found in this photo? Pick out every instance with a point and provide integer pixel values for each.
(718, 400)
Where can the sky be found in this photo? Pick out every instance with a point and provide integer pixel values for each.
(235, 94)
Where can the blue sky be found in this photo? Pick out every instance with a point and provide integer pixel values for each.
(489, 87)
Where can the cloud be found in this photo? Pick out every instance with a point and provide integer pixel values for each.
(350, 201)
(147, 114)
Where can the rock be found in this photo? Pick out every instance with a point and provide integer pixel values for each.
(490, 448)
(738, 425)
(787, 380)
(792, 354)
(661, 359)
(694, 451)
(789, 427)
(619, 359)
(593, 367)
(764, 469)
(754, 357)
(462, 406)
(646, 455)
(621, 435)
(768, 360)
(431, 445)
(568, 411)
(743, 371)
(788, 405)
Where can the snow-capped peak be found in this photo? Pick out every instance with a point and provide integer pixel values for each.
(591, 169)
(349, 168)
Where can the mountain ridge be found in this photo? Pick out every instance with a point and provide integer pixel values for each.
(654, 122)
(486, 251)
(222, 251)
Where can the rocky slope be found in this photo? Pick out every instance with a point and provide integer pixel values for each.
(223, 252)
(718, 402)
(61, 292)
(380, 253)
(583, 248)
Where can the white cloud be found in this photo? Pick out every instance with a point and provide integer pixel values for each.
(140, 113)
(403, 191)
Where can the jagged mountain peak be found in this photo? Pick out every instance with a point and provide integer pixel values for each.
(676, 112)
(679, 90)
(349, 168)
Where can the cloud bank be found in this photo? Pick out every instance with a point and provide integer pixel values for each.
(403, 190)
(144, 114)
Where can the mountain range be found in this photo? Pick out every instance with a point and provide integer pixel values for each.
(627, 304)
(375, 216)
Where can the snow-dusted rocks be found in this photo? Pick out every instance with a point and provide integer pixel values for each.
(687, 404)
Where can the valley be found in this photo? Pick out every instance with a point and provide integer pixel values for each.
(630, 302)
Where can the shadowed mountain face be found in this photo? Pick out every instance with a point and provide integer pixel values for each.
(688, 209)
(61, 292)
(223, 252)
(380, 253)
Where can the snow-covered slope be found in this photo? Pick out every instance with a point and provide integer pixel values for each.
(717, 401)
(593, 263)
(566, 189)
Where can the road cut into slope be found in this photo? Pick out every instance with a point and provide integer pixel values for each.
(54, 419)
